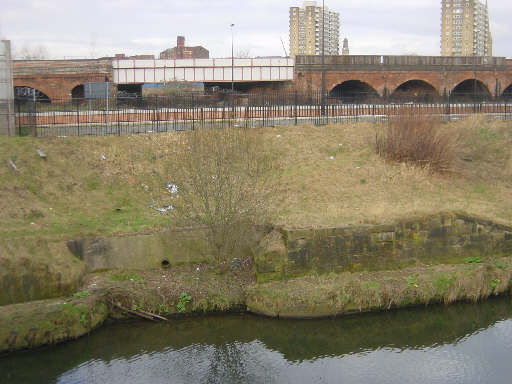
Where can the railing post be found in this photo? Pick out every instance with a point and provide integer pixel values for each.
(296, 106)
(263, 108)
(19, 118)
(193, 114)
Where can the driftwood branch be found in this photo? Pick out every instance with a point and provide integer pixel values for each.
(140, 313)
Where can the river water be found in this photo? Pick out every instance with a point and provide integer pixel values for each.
(464, 343)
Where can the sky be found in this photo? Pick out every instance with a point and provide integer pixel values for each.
(96, 28)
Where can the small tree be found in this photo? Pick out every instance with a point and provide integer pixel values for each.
(38, 52)
(223, 179)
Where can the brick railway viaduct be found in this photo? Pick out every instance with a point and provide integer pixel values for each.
(414, 76)
(60, 79)
(348, 77)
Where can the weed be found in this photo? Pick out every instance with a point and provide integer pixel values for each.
(82, 294)
(83, 319)
(412, 281)
(442, 284)
(474, 260)
(135, 307)
(494, 283)
(34, 214)
(372, 285)
(500, 264)
(182, 302)
(162, 308)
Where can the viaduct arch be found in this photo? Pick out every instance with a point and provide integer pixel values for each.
(394, 77)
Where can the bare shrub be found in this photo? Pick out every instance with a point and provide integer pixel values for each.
(417, 139)
(223, 182)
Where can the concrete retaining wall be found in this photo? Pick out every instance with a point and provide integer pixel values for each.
(142, 252)
(7, 126)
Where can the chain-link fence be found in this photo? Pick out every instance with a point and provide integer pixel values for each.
(7, 124)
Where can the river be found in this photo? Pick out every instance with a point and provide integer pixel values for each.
(462, 343)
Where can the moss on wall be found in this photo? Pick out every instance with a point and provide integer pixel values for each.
(441, 239)
(34, 324)
(36, 269)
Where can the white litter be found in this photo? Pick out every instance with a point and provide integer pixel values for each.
(172, 188)
(165, 209)
(41, 154)
(103, 158)
(278, 136)
(332, 157)
(13, 166)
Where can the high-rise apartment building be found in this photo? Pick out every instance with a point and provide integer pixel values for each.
(465, 29)
(306, 27)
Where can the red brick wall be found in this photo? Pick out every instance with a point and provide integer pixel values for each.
(390, 80)
(57, 78)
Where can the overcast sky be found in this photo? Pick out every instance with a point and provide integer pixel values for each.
(93, 28)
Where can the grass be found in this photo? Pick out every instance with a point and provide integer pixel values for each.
(183, 290)
(331, 176)
(336, 294)
(125, 277)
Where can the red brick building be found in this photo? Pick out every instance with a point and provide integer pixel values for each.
(183, 52)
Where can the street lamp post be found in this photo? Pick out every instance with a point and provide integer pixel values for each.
(232, 61)
(323, 57)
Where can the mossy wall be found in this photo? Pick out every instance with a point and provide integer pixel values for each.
(48, 322)
(442, 239)
(32, 269)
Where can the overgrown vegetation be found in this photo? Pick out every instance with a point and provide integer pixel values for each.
(343, 293)
(419, 140)
(221, 180)
(331, 176)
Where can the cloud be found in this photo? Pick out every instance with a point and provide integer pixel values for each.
(75, 28)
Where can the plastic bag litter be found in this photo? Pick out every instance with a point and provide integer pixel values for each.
(172, 188)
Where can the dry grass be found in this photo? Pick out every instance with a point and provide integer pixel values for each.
(331, 176)
(419, 140)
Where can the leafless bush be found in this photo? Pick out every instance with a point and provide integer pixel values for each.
(417, 139)
(223, 179)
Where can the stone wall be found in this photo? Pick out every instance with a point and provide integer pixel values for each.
(441, 239)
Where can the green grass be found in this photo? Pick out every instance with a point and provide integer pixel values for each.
(343, 293)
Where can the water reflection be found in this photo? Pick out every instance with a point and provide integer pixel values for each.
(459, 344)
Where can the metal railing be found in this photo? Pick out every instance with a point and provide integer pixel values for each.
(179, 112)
